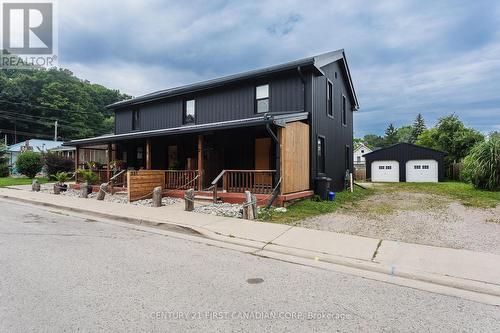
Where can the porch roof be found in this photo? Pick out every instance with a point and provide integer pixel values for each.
(277, 119)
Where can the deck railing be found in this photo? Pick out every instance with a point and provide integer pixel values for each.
(180, 179)
(239, 181)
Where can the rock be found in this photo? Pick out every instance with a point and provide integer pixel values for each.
(280, 210)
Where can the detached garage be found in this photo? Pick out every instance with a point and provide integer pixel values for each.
(405, 162)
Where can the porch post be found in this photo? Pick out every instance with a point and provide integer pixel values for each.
(77, 157)
(200, 162)
(108, 160)
(148, 154)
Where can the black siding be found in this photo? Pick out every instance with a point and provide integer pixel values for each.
(403, 152)
(337, 136)
(228, 103)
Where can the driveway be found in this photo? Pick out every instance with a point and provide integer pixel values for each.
(61, 273)
(413, 217)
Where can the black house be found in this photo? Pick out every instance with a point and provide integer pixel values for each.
(276, 127)
(405, 162)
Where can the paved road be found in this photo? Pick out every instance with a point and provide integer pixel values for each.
(59, 273)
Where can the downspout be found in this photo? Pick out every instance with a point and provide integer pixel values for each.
(277, 176)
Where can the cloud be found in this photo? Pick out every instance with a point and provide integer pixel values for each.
(406, 57)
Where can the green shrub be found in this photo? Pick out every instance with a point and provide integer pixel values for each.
(29, 164)
(61, 177)
(482, 166)
(4, 168)
(55, 163)
(89, 176)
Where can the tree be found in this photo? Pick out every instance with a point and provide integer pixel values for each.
(391, 135)
(417, 128)
(42, 96)
(482, 165)
(29, 163)
(494, 134)
(373, 141)
(451, 135)
(4, 168)
(55, 163)
(404, 134)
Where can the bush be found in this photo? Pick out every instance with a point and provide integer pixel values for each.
(29, 164)
(4, 168)
(482, 166)
(61, 177)
(55, 163)
(89, 176)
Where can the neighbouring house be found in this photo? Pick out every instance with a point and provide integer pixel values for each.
(279, 127)
(35, 145)
(405, 162)
(359, 151)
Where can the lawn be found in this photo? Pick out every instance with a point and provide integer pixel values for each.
(308, 208)
(11, 181)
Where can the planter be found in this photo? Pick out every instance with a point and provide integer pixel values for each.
(57, 188)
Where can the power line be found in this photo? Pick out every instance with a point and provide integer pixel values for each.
(44, 107)
(3, 130)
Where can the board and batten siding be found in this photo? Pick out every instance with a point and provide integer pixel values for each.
(295, 145)
(231, 102)
(337, 136)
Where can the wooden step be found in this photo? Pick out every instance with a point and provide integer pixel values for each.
(205, 198)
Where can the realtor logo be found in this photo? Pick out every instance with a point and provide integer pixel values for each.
(28, 33)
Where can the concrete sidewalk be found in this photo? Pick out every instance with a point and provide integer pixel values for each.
(463, 269)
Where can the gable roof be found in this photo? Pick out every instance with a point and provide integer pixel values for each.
(405, 144)
(315, 62)
(38, 145)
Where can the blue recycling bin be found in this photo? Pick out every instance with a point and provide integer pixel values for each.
(331, 196)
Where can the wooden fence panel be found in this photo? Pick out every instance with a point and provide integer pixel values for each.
(294, 139)
(140, 184)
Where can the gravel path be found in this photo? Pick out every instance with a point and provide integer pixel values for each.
(417, 218)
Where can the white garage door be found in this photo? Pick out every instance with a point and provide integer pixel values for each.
(385, 171)
(422, 171)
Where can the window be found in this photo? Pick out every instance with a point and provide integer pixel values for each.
(344, 111)
(329, 99)
(136, 120)
(381, 167)
(362, 151)
(189, 111)
(358, 158)
(426, 167)
(416, 167)
(262, 98)
(321, 154)
(388, 167)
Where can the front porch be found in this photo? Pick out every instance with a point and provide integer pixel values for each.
(220, 164)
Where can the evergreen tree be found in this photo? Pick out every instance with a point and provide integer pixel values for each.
(391, 135)
(418, 128)
(4, 159)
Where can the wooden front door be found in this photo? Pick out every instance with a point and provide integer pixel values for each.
(263, 157)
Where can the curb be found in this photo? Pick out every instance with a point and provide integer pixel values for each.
(402, 272)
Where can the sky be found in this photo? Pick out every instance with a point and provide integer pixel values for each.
(406, 57)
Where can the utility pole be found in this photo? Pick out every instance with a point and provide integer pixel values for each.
(55, 131)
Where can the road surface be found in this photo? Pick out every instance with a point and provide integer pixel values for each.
(61, 273)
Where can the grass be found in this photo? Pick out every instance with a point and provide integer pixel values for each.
(465, 193)
(308, 208)
(11, 181)
(462, 192)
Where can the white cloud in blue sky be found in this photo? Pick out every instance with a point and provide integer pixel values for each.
(406, 57)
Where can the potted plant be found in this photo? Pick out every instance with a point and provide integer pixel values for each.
(61, 178)
(89, 178)
(117, 165)
(92, 165)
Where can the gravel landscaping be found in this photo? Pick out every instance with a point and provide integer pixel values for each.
(221, 209)
(118, 198)
(416, 218)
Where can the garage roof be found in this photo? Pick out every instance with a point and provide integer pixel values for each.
(402, 146)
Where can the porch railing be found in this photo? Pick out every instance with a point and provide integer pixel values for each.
(180, 179)
(239, 181)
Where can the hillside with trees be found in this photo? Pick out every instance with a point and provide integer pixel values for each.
(32, 100)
